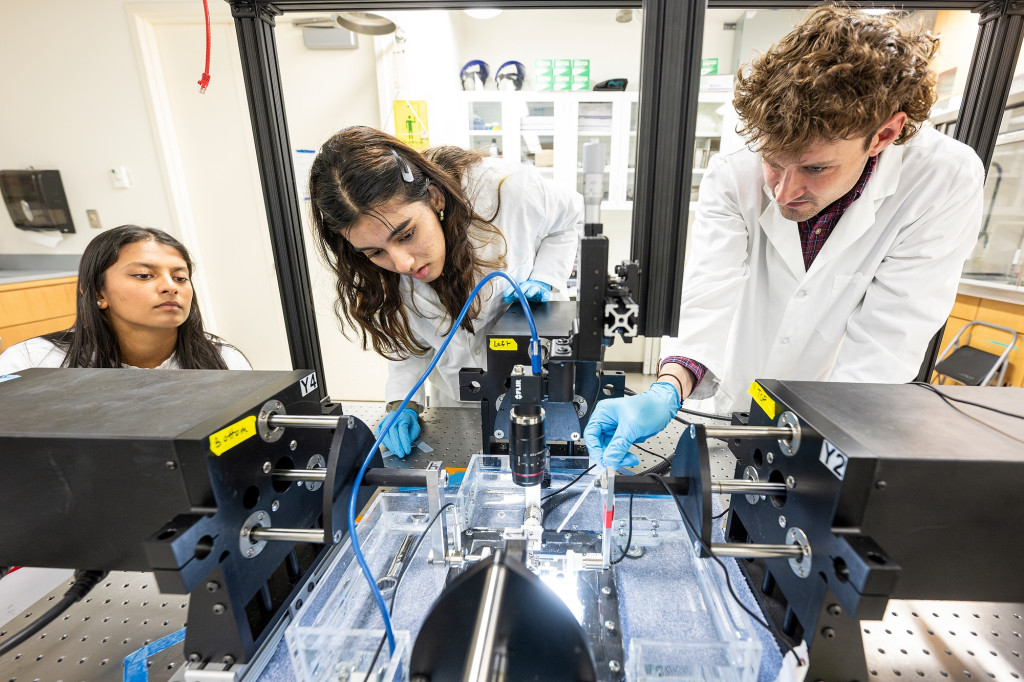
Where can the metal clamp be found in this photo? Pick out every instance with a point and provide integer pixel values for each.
(802, 565)
(267, 432)
(249, 547)
(790, 445)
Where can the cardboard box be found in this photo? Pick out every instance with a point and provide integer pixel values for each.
(544, 158)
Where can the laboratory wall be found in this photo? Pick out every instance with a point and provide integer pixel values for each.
(73, 102)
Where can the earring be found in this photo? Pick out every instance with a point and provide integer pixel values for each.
(440, 215)
(99, 303)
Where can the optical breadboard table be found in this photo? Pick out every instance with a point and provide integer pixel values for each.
(124, 613)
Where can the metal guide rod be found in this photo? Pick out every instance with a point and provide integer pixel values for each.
(374, 477)
(783, 432)
(312, 421)
(742, 550)
(315, 535)
(299, 474)
(748, 487)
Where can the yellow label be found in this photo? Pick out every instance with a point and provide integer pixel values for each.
(763, 399)
(230, 436)
(504, 344)
(411, 123)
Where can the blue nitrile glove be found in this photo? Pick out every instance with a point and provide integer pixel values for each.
(401, 436)
(618, 423)
(535, 290)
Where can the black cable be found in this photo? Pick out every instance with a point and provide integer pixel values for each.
(706, 415)
(398, 580)
(720, 514)
(949, 400)
(84, 582)
(569, 484)
(769, 625)
(629, 538)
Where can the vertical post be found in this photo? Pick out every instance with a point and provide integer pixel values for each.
(254, 25)
(669, 86)
(1000, 31)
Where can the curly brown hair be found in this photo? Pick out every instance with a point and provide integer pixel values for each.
(840, 74)
(357, 171)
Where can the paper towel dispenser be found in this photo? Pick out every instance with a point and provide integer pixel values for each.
(35, 199)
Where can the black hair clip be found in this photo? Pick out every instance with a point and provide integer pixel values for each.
(403, 166)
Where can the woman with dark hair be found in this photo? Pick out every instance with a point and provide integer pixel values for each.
(408, 236)
(135, 308)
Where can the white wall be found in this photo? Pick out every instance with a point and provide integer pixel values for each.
(73, 102)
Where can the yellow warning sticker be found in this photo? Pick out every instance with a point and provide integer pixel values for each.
(503, 344)
(762, 398)
(230, 436)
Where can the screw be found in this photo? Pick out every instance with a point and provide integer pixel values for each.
(790, 482)
(654, 523)
(212, 586)
(261, 516)
(194, 657)
(275, 505)
(828, 633)
(219, 608)
(770, 457)
(337, 536)
(498, 433)
(568, 536)
(263, 415)
(249, 553)
(606, 590)
(171, 465)
(267, 466)
(782, 520)
(880, 485)
(654, 532)
(835, 610)
(294, 444)
(228, 660)
(609, 625)
(614, 666)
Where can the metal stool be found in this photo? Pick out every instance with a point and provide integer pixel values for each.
(972, 366)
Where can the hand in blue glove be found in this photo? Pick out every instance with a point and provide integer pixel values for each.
(401, 435)
(618, 423)
(535, 290)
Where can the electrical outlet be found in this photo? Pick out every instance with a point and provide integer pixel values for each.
(121, 177)
(94, 219)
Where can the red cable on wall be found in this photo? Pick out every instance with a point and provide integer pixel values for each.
(205, 79)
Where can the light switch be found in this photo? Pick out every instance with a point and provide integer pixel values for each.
(94, 219)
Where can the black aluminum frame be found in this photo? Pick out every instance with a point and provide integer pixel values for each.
(672, 43)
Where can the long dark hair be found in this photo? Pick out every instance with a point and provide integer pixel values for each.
(359, 170)
(92, 341)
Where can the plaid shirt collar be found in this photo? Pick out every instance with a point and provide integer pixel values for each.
(816, 230)
(840, 205)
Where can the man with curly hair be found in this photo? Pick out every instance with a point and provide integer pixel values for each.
(831, 247)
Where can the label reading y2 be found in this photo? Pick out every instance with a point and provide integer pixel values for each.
(833, 459)
(307, 384)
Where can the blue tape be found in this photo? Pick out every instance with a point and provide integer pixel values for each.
(8, 377)
(135, 668)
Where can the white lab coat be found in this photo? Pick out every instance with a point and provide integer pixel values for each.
(539, 221)
(40, 352)
(882, 285)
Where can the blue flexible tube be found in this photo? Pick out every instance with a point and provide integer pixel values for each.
(353, 537)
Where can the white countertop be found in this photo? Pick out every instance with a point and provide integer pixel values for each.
(14, 276)
(992, 290)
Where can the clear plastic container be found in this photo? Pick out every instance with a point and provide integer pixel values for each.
(678, 621)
